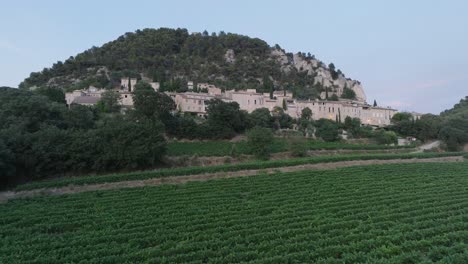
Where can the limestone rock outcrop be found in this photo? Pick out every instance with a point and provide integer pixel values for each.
(321, 73)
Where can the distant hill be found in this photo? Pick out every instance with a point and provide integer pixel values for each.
(459, 110)
(173, 57)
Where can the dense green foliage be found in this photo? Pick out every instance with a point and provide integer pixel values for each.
(227, 168)
(225, 119)
(348, 94)
(327, 130)
(223, 148)
(109, 102)
(459, 110)
(41, 138)
(150, 103)
(451, 126)
(399, 213)
(259, 140)
(173, 56)
(386, 137)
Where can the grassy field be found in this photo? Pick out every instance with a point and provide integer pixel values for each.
(224, 168)
(223, 148)
(400, 213)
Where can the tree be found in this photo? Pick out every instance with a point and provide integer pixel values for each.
(285, 106)
(54, 94)
(333, 71)
(28, 110)
(225, 119)
(298, 147)
(109, 102)
(427, 127)
(80, 117)
(126, 144)
(129, 85)
(454, 133)
(403, 124)
(285, 121)
(281, 119)
(7, 165)
(386, 137)
(375, 103)
(267, 85)
(306, 114)
(150, 103)
(334, 97)
(327, 130)
(348, 94)
(261, 117)
(353, 126)
(259, 140)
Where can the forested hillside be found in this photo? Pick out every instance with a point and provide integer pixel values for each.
(451, 126)
(459, 110)
(173, 57)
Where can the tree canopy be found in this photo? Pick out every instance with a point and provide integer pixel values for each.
(173, 56)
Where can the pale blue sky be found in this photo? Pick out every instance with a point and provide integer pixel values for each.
(412, 55)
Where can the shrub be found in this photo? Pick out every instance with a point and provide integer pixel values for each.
(386, 137)
(327, 130)
(259, 140)
(298, 147)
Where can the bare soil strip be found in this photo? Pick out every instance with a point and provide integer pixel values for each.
(9, 195)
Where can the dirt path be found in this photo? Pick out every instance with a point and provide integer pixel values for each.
(9, 195)
(428, 146)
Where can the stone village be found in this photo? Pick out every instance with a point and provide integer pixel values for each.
(248, 100)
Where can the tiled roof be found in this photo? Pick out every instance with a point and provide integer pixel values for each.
(86, 100)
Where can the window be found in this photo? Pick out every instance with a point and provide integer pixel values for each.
(255, 101)
(125, 96)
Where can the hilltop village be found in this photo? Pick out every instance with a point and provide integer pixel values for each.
(196, 102)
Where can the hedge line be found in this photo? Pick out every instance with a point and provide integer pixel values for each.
(224, 148)
(83, 180)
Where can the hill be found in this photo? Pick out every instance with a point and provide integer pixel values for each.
(459, 110)
(174, 56)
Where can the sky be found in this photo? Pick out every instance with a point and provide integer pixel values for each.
(411, 55)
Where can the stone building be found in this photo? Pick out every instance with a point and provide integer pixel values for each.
(194, 102)
(212, 89)
(84, 97)
(249, 100)
(128, 85)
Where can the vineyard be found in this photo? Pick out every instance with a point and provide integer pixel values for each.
(225, 168)
(225, 148)
(400, 213)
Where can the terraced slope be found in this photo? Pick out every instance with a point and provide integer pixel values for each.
(383, 213)
(256, 165)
